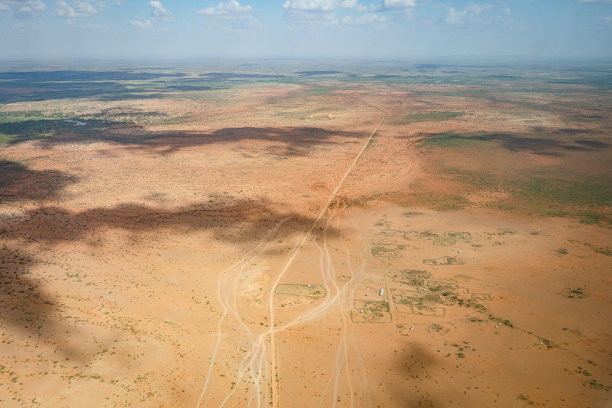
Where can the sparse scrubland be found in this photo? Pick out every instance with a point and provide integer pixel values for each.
(358, 235)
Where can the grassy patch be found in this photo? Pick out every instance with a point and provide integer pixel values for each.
(6, 139)
(317, 90)
(452, 139)
(420, 195)
(586, 199)
(604, 251)
(480, 180)
(563, 192)
(427, 117)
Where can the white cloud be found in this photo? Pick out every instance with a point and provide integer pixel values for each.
(85, 8)
(507, 12)
(322, 5)
(324, 12)
(594, 1)
(471, 12)
(159, 11)
(364, 19)
(312, 5)
(397, 4)
(352, 4)
(453, 16)
(64, 10)
(24, 8)
(142, 24)
(326, 18)
(228, 9)
(78, 8)
(159, 14)
(476, 9)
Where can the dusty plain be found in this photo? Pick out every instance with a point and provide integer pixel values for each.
(286, 235)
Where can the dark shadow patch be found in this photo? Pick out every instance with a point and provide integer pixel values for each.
(101, 85)
(18, 182)
(222, 76)
(316, 73)
(561, 131)
(594, 144)
(546, 146)
(293, 141)
(414, 364)
(427, 67)
(53, 129)
(230, 221)
(537, 145)
(62, 76)
(296, 141)
(24, 305)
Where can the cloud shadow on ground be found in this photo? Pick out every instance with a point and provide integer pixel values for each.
(26, 306)
(415, 364)
(18, 182)
(290, 141)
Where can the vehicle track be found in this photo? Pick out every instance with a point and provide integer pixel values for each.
(255, 362)
(304, 238)
(222, 296)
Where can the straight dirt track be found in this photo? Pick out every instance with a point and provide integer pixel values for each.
(305, 237)
(259, 345)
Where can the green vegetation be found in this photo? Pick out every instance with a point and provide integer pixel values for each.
(421, 196)
(452, 139)
(317, 90)
(7, 139)
(547, 343)
(444, 260)
(595, 385)
(435, 327)
(414, 277)
(522, 397)
(607, 251)
(575, 293)
(444, 241)
(426, 117)
(471, 303)
(560, 192)
(499, 320)
(582, 197)
(479, 180)
(371, 312)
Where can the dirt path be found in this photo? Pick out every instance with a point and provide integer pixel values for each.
(303, 239)
(255, 363)
(224, 299)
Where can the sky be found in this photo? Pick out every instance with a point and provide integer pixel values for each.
(368, 29)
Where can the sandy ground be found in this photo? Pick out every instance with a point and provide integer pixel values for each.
(205, 268)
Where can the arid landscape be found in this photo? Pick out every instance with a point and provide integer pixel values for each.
(299, 234)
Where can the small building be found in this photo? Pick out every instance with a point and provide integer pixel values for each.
(381, 292)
